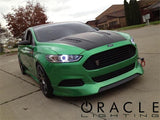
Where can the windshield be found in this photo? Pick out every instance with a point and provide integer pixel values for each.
(52, 32)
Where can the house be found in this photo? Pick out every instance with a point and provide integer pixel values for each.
(92, 23)
(113, 17)
(151, 7)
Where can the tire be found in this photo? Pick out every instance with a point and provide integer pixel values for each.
(21, 67)
(44, 82)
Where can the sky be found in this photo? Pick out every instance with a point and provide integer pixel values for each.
(62, 10)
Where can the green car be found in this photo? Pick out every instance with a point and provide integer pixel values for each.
(74, 59)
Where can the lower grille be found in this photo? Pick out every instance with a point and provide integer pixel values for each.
(71, 83)
(109, 57)
(114, 74)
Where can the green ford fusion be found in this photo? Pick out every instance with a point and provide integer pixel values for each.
(74, 59)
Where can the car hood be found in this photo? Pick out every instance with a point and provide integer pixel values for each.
(79, 43)
(91, 40)
(56, 48)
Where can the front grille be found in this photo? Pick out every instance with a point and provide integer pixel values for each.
(114, 74)
(109, 57)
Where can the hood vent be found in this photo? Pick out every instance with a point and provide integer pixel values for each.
(72, 40)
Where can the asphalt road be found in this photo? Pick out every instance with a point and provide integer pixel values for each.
(21, 98)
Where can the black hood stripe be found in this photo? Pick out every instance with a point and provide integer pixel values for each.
(91, 40)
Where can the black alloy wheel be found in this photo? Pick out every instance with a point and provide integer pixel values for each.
(21, 67)
(45, 84)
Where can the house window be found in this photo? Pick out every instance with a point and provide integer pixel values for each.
(101, 26)
(113, 23)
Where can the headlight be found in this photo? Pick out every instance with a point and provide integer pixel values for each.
(63, 58)
(132, 41)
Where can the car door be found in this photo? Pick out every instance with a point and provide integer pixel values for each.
(27, 51)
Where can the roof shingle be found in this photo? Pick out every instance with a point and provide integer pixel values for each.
(114, 10)
(146, 3)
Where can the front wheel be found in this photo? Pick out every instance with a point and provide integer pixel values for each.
(45, 84)
(21, 67)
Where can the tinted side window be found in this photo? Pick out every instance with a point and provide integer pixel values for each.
(29, 37)
(23, 35)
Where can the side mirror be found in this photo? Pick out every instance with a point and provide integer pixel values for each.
(96, 28)
(25, 42)
(22, 38)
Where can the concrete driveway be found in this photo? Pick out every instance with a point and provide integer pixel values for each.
(21, 98)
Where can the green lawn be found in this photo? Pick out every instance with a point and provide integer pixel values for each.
(155, 22)
(138, 26)
(2, 53)
(10, 53)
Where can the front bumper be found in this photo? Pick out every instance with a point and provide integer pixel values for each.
(118, 83)
(58, 72)
(90, 87)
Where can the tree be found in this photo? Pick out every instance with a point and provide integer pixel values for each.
(138, 13)
(24, 17)
(132, 12)
(127, 12)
